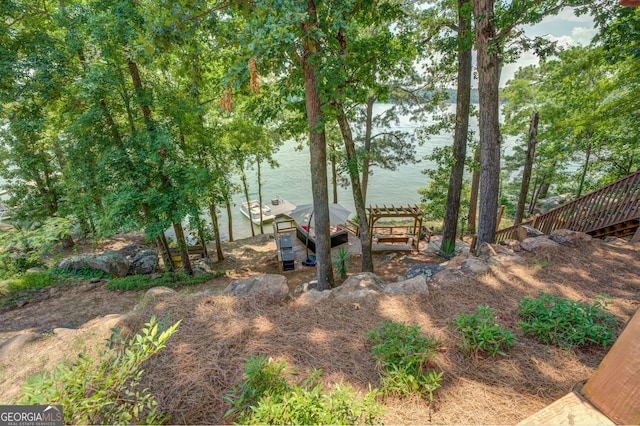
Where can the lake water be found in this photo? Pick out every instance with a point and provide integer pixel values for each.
(292, 180)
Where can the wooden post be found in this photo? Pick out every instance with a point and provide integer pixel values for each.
(636, 236)
(499, 219)
(615, 386)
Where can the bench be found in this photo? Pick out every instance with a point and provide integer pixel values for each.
(394, 239)
(192, 250)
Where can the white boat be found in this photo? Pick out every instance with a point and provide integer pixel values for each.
(252, 211)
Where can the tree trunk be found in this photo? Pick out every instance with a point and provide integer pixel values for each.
(528, 165)
(317, 150)
(366, 161)
(334, 176)
(227, 203)
(463, 99)
(182, 245)
(260, 195)
(488, 81)
(358, 199)
(473, 197)
(245, 189)
(216, 230)
(583, 175)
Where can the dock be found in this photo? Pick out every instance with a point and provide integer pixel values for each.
(281, 207)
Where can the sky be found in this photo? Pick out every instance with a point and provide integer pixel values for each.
(566, 28)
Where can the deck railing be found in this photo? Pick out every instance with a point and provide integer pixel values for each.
(608, 206)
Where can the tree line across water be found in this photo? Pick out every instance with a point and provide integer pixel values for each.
(130, 115)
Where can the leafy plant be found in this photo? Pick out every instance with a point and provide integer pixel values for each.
(342, 262)
(84, 272)
(265, 396)
(447, 249)
(30, 281)
(405, 357)
(22, 246)
(105, 391)
(563, 322)
(480, 334)
(173, 280)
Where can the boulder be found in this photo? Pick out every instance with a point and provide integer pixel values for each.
(486, 250)
(362, 280)
(505, 259)
(474, 265)
(269, 286)
(314, 296)
(308, 286)
(154, 295)
(415, 285)
(616, 241)
(447, 277)
(511, 244)
(550, 203)
(203, 266)
(111, 262)
(129, 250)
(526, 231)
(537, 243)
(144, 261)
(426, 270)
(567, 237)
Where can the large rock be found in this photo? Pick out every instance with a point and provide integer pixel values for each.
(474, 265)
(313, 296)
(448, 277)
(526, 231)
(363, 280)
(270, 286)
(415, 285)
(425, 270)
(550, 203)
(537, 243)
(111, 262)
(203, 266)
(567, 237)
(511, 244)
(144, 262)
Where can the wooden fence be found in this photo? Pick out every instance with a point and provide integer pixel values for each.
(613, 209)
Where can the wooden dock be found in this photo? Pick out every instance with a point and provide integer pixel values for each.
(281, 207)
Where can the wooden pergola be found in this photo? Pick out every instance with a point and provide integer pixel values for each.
(410, 236)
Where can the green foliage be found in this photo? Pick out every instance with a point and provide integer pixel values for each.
(22, 246)
(31, 281)
(405, 356)
(172, 280)
(559, 321)
(342, 262)
(105, 390)
(447, 250)
(480, 334)
(85, 272)
(265, 396)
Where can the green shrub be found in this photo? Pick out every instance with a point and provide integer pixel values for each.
(480, 334)
(447, 250)
(563, 322)
(342, 262)
(105, 391)
(143, 282)
(405, 356)
(85, 272)
(31, 281)
(265, 396)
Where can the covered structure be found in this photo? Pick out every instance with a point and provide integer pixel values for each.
(408, 235)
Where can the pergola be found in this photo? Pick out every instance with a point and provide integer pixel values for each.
(411, 211)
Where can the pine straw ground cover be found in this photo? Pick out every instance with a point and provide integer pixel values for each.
(218, 333)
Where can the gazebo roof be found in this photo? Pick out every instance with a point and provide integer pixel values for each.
(393, 211)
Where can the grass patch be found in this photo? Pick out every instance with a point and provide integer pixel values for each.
(85, 272)
(31, 281)
(171, 280)
(558, 321)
